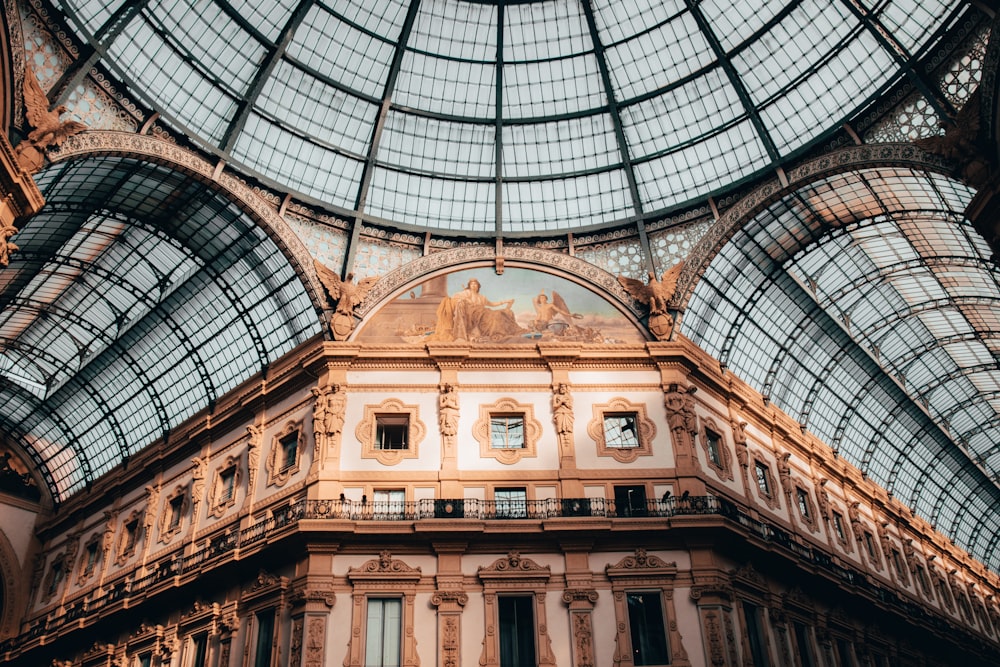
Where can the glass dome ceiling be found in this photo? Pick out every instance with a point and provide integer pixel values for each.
(506, 118)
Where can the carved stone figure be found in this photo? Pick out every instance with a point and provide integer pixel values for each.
(149, 516)
(198, 483)
(253, 455)
(562, 409)
(655, 294)
(448, 410)
(347, 295)
(6, 246)
(49, 129)
(740, 439)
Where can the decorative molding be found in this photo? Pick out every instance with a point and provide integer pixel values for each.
(167, 531)
(514, 574)
(646, 429)
(383, 567)
(220, 501)
(724, 468)
(507, 407)
(514, 256)
(278, 473)
(366, 432)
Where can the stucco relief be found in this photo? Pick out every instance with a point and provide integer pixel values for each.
(366, 432)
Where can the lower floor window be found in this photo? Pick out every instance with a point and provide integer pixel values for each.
(647, 629)
(265, 638)
(383, 632)
(517, 631)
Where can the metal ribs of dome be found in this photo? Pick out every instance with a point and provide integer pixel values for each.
(506, 118)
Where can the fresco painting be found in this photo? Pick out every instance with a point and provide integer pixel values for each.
(479, 306)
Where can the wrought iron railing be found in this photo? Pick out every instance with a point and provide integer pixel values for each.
(224, 543)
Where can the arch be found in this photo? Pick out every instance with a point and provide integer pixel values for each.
(96, 143)
(836, 162)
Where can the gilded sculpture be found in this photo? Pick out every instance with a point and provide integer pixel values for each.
(346, 294)
(656, 294)
(49, 130)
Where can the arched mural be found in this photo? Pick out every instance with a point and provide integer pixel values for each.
(519, 306)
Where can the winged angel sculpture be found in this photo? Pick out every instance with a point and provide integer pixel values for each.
(49, 129)
(347, 294)
(656, 294)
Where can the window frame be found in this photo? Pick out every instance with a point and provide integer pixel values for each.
(769, 496)
(394, 409)
(645, 429)
(661, 626)
(384, 577)
(226, 488)
(722, 463)
(515, 506)
(507, 438)
(506, 406)
(510, 576)
(292, 437)
(644, 573)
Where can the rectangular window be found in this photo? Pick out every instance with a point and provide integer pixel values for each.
(631, 500)
(90, 559)
(802, 496)
(383, 632)
(145, 660)
(838, 526)
(131, 537)
(507, 431)
(647, 629)
(289, 450)
(804, 645)
(621, 430)
(392, 431)
(925, 584)
(56, 578)
(755, 634)
(714, 443)
(511, 503)
(199, 650)
(389, 502)
(844, 653)
(265, 638)
(176, 511)
(763, 478)
(227, 485)
(870, 545)
(517, 630)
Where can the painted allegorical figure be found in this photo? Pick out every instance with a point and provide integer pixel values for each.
(468, 315)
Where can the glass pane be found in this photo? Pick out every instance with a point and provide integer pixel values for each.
(507, 432)
(620, 431)
(517, 631)
(647, 629)
(382, 637)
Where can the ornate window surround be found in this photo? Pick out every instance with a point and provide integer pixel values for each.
(810, 518)
(771, 500)
(277, 473)
(843, 537)
(365, 432)
(178, 495)
(646, 427)
(724, 469)
(507, 406)
(57, 575)
(219, 503)
(514, 575)
(644, 572)
(128, 539)
(87, 569)
(267, 591)
(382, 577)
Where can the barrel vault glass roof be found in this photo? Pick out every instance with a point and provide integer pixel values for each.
(137, 298)
(507, 117)
(867, 307)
